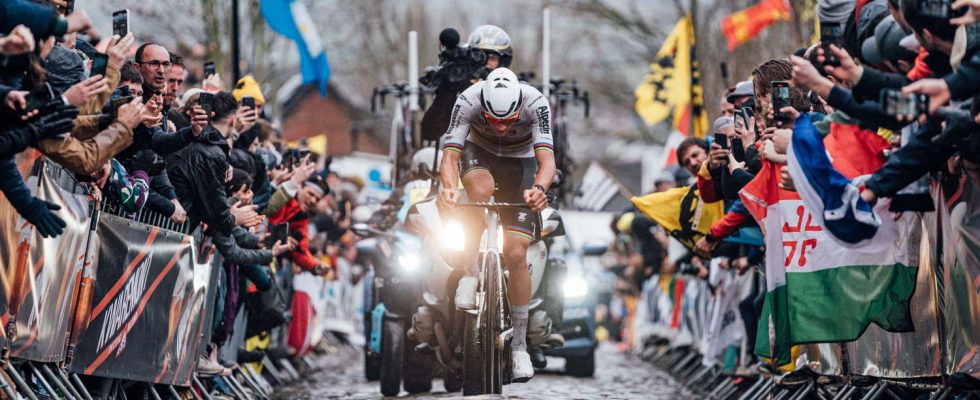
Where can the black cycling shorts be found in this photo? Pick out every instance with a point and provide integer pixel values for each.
(512, 176)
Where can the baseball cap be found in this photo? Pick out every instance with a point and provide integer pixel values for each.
(742, 89)
(886, 44)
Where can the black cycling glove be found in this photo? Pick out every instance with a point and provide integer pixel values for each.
(57, 120)
(41, 214)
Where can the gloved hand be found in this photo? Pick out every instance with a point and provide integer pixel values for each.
(41, 214)
(55, 123)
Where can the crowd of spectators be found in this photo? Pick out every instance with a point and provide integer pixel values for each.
(887, 44)
(206, 157)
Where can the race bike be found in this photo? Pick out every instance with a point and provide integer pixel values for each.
(473, 347)
(391, 295)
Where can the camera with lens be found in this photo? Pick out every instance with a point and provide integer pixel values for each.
(456, 63)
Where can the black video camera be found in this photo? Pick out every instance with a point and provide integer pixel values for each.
(456, 63)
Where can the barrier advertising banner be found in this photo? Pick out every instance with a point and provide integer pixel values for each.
(10, 242)
(44, 280)
(958, 211)
(145, 318)
(910, 354)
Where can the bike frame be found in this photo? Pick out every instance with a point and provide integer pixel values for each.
(492, 276)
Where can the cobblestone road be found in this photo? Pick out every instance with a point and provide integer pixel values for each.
(617, 376)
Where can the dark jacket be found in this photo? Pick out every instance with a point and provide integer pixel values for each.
(13, 187)
(179, 119)
(872, 80)
(921, 155)
(255, 163)
(239, 252)
(41, 19)
(870, 111)
(965, 82)
(198, 175)
(13, 141)
(158, 140)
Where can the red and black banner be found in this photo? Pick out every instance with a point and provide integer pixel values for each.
(143, 318)
(15, 237)
(44, 280)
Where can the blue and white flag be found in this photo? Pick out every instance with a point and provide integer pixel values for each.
(291, 19)
(849, 218)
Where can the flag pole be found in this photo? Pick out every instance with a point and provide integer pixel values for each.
(622, 189)
(236, 71)
(694, 45)
(546, 54)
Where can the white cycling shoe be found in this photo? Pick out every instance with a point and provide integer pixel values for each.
(466, 293)
(523, 370)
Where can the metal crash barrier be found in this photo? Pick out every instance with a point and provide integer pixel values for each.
(703, 346)
(119, 297)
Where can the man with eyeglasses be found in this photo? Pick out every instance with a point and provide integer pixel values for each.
(153, 61)
(500, 131)
(151, 141)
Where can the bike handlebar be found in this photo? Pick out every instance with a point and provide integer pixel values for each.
(492, 205)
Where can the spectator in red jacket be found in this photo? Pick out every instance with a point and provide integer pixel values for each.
(293, 203)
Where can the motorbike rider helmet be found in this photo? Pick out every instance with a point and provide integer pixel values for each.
(362, 213)
(424, 159)
(501, 95)
(492, 40)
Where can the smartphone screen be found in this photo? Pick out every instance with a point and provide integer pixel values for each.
(830, 34)
(99, 63)
(722, 140)
(39, 97)
(208, 69)
(248, 101)
(780, 99)
(741, 119)
(120, 22)
(206, 102)
(118, 102)
(894, 102)
(747, 113)
(738, 149)
(277, 233)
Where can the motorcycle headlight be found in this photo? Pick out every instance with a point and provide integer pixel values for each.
(410, 261)
(576, 287)
(453, 237)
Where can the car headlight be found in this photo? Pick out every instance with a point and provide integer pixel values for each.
(410, 261)
(453, 237)
(576, 287)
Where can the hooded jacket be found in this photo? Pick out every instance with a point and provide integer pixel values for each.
(197, 173)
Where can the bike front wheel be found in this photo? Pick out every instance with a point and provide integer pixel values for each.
(483, 361)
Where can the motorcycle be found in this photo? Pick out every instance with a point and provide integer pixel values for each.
(474, 349)
(391, 295)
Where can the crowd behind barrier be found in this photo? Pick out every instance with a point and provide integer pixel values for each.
(128, 296)
(824, 241)
(137, 212)
(699, 342)
(819, 240)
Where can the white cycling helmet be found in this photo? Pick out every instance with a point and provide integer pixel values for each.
(501, 94)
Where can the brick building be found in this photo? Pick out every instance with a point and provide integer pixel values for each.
(347, 127)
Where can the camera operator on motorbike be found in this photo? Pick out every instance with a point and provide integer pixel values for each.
(490, 40)
(500, 135)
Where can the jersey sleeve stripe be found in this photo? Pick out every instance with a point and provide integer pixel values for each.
(518, 231)
(541, 146)
(450, 146)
